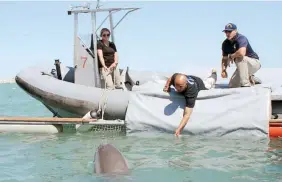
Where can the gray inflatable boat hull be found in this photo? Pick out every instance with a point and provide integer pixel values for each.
(67, 99)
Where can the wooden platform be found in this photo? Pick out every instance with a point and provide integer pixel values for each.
(51, 120)
(56, 125)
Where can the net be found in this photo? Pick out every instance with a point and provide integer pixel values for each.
(98, 127)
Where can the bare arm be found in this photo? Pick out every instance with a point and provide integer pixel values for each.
(116, 58)
(186, 116)
(224, 63)
(242, 48)
(112, 45)
(239, 53)
(100, 54)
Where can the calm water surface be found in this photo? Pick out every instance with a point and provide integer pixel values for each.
(151, 156)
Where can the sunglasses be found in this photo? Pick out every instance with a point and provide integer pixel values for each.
(106, 35)
(228, 31)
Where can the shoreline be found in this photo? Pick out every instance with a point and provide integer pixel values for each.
(11, 80)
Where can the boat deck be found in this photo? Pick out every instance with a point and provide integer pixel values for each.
(276, 95)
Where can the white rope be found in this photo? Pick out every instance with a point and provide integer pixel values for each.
(104, 97)
(104, 106)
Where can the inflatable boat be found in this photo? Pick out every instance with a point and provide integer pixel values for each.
(64, 98)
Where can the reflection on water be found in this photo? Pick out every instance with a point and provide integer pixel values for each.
(274, 155)
(154, 157)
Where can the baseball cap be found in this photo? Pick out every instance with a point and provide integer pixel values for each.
(230, 27)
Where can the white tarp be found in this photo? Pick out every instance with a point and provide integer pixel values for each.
(268, 76)
(218, 112)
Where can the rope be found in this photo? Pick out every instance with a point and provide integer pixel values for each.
(104, 107)
(114, 77)
(104, 99)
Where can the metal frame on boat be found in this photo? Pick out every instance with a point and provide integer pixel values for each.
(86, 9)
(54, 125)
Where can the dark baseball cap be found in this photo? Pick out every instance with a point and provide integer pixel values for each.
(230, 27)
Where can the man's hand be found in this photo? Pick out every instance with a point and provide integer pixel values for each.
(224, 74)
(230, 59)
(177, 132)
(186, 117)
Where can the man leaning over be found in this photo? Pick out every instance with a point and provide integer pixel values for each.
(189, 86)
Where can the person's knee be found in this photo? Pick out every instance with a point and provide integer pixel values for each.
(241, 64)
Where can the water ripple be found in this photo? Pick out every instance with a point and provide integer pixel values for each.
(65, 157)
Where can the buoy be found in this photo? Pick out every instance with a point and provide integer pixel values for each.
(275, 132)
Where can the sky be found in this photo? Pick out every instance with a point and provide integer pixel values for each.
(165, 36)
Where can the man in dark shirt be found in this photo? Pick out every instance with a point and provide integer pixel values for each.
(189, 86)
(236, 48)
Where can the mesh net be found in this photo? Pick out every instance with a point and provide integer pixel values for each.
(99, 128)
(109, 128)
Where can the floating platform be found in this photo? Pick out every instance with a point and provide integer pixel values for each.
(58, 125)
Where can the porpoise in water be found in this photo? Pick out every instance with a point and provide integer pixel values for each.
(109, 160)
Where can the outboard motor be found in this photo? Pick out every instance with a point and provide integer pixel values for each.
(58, 69)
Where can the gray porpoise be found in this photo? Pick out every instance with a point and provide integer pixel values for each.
(109, 160)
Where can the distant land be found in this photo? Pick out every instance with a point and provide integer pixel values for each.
(10, 80)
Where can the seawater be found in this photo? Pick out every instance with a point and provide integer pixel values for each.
(68, 157)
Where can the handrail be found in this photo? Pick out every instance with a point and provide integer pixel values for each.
(98, 10)
(124, 17)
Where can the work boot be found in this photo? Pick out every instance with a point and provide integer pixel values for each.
(119, 87)
(252, 81)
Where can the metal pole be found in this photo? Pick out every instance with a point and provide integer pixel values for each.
(123, 17)
(75, 35)
(113, 40)
(111, 26)
(96, 71)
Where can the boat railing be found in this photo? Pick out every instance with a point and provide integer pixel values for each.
(76, 10)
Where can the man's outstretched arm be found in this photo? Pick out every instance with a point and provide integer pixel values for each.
(186, 116)
(190, 103)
